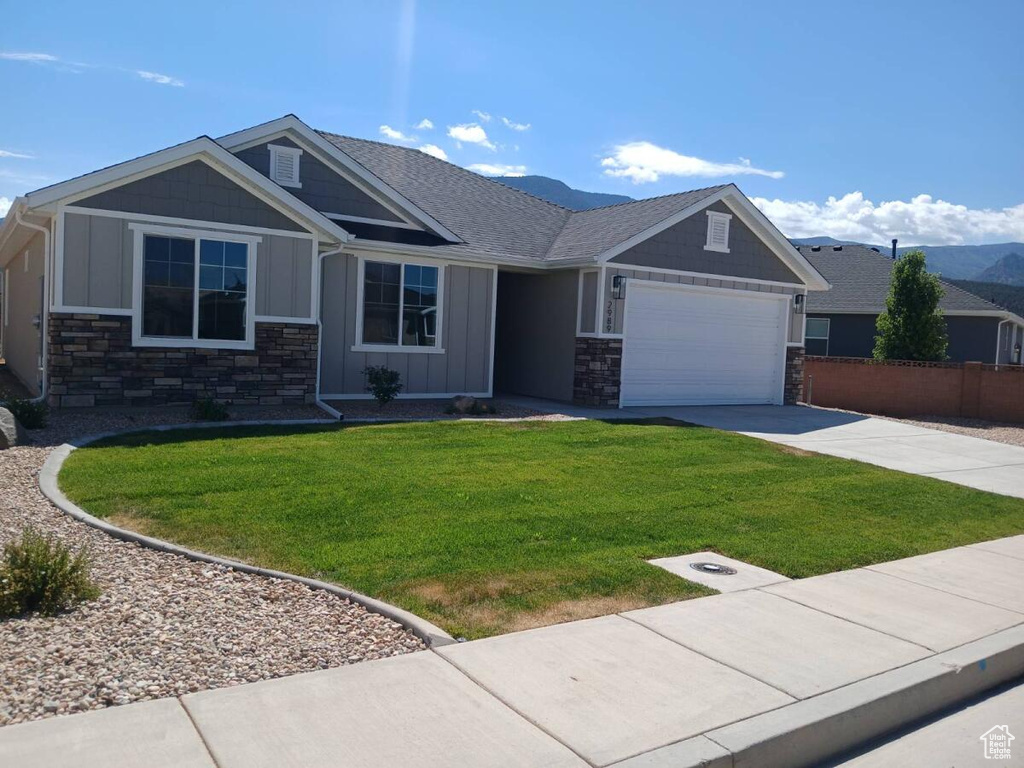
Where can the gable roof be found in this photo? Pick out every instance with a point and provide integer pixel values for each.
(860, 280)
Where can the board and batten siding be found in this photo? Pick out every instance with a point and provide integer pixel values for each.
(613, 310)
(99, 255)
(466, 333)
(23, 295)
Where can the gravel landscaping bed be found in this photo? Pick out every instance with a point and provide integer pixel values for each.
(432, 409)
(1000, 432)
(164, 625)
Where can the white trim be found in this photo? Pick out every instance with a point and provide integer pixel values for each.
(276, 151)
(999, 334)
(378, 222)
(204, 150)
(284, 319)
(411, 396)
(361, 346)
(175, 221)
(714, 216)
(494, 320)
(72, 310)
(1005, 314)
(7, 296)
(234, 141)
(705, 275)
(138, 340)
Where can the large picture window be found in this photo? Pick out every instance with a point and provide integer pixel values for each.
(195, 290)
(400, 305)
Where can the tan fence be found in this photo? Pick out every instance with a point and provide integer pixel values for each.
(905, 388)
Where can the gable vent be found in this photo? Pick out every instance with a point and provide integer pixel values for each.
(284, 165)
(718, 232)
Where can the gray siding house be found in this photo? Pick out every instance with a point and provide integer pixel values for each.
(841, 322)
(274, 264)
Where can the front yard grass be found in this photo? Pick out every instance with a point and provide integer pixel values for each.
(490, 527)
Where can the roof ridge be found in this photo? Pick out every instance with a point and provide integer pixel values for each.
(649, 199)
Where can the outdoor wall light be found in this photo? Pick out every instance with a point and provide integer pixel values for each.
(618, 286)
(798, 303)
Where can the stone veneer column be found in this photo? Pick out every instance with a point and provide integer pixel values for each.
(598, 372)
(92, 362)
(793, 391)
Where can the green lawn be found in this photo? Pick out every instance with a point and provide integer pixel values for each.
(489, 527)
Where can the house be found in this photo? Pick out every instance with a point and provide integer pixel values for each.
(274, 264)
(841, 322)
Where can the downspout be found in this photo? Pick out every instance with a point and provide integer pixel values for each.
(44, 311)
(320, 331)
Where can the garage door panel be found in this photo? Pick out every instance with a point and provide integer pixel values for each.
(689, 346)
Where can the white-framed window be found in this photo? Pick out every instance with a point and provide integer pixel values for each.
(399, 306)
(284, 165)
(816, 330)
(193, 288)
(718, 232)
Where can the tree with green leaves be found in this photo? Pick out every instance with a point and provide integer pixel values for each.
(912, 326)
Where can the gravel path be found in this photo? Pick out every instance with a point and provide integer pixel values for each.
(164, 625)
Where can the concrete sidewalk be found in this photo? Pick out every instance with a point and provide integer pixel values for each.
(787, 674)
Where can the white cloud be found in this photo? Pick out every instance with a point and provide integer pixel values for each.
(471, 133)
(156, 77)
(5, 205)
(515, 126)
(31, 57)
(484, 117)
(395, 135)
(434, 151)
(922, 220)
(497, 169)
(642, 162)
(425, 125)
(7, 153)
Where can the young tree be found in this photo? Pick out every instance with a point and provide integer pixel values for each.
(912, 326)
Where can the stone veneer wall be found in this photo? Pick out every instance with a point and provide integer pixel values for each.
(598, 372)
(92, 362)
(793, 391)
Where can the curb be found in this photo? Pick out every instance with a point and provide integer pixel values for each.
(834, 723)
(429, 633)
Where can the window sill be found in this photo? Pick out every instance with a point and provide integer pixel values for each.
(394, 349)
(717, 250)
(175, 343)
(289, 184)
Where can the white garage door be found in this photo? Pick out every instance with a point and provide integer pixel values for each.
(689, 345)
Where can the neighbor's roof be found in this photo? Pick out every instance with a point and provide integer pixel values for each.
(860, 282)
(491, 216)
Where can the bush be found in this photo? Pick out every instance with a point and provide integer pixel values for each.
(41, 574)
(31, 414)
(383, 383)
(209, 409)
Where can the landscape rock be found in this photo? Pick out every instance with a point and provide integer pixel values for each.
(11, 431)
(464, 404)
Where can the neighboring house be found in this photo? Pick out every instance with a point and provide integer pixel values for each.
(274, 264)
(841, 322)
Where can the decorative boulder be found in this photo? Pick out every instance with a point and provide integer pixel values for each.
(11, 431)
(464, 404)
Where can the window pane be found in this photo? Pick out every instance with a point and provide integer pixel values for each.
(817, 328)
(168, 275)
(211, 278)
(222, 315)
(234, 280)
(419, 313)
(235, 255)
(418, 328)
(380, 303)
(211, 252)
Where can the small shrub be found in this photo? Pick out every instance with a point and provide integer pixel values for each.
(383, 383)
(31, 414)
(41, 574)
(475, 409)
(209, 409)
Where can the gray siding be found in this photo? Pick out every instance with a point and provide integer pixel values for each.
(682, 247)
(465, 335)
(322, 188)
(588, 302)
(191, 191)
(98, 263)
(536, 334)
(23, 291)
(971, 339)
(614, 312)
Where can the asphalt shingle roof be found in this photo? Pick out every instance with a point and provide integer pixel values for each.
(499, 219)
(860, 282)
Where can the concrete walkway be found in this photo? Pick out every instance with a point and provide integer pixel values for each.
(970, 461)
(786, 674)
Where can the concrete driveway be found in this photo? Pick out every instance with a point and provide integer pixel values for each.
(968, 461)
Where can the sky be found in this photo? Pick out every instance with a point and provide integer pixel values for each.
(857, 120)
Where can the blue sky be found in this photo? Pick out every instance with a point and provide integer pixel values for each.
(908, 114)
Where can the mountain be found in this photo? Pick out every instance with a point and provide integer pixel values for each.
(1009, 270)
(1009, 297)
(560, 193)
